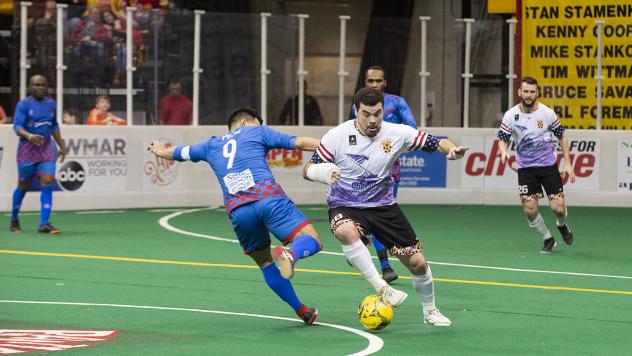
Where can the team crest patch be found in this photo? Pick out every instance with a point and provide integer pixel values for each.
(387, 145)
(540, 124)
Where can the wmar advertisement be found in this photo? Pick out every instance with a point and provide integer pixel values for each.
(94, 163)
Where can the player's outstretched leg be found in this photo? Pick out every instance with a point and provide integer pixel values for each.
(388, 273)
(283, 288)
(358, 255)
(18, 196)
(303, 246)
(424, 285)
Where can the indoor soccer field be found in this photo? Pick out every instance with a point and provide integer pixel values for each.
(175, 282)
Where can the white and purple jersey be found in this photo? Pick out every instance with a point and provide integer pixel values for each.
(532, 133)
(365, 162)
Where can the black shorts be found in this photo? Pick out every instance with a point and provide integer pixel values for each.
(532, 179)
(388, 223)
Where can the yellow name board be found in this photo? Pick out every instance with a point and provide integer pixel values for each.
(559, 49)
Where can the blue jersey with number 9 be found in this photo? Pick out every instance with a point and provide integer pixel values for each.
(239, 162)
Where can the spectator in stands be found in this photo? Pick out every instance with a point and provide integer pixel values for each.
(3, 116)
(289, 114)
(116, 46)
(44, 38)
(70, 116)
(101, 114)
(89, 37)
(175, 108)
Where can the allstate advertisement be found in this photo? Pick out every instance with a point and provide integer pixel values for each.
(421, 169)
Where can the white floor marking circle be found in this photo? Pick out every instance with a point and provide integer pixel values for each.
(164, 222)
(375, 343)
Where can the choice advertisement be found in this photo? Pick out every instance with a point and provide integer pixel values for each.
(160, 173)
(482, 168)
(559, 48)
(94, 163)
(624, 165)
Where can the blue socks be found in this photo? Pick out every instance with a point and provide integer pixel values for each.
(380, 248)
(18, 196)
(281, 286)
(304, 246)
(46, 198)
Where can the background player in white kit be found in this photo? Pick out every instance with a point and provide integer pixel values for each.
(531, 124)
(357, 156)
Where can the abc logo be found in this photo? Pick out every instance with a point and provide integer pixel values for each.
(71, 175)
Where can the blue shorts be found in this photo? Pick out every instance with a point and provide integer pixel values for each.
(28, 170)
(254, 221)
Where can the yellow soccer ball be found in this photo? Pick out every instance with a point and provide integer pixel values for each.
(375, 313)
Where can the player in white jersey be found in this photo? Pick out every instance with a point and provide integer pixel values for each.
(356, 159)
(532, 125)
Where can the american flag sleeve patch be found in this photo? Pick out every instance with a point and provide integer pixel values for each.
(557, 129)
(503, 136)
(324, 153)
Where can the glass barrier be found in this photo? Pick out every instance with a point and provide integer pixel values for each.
(230, 59)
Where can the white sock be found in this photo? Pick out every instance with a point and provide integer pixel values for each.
(539, 226)
(425, 289)
(358, 255)
(561, 220)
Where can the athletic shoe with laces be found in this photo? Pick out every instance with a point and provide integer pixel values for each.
(434, 317)
(567, 235)
(308, 315)
(548, 245)
(48, 229)
(388, 274)
(393, 296)
(15, 226)
(284, 260)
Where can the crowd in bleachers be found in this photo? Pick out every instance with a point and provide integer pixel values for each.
(95, 49)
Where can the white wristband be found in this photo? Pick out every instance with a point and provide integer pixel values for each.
(322, 172)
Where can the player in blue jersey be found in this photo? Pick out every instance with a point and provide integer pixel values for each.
(254, 201)
(35, 122)
(396, 110)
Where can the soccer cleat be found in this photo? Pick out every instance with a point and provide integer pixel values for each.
(388, 274)
(284, 260)
(308, 315)
(393, 296)
(434, 317)
(567, 235)
(48, 229)
(15, 226)
(548, 245)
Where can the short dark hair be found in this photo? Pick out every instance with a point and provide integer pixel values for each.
(529, 80)
(375, 68)
(368, 96)
(243, 112)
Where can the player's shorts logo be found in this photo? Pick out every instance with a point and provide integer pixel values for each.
(71, 175)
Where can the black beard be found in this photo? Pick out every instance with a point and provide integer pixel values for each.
(527, 106)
